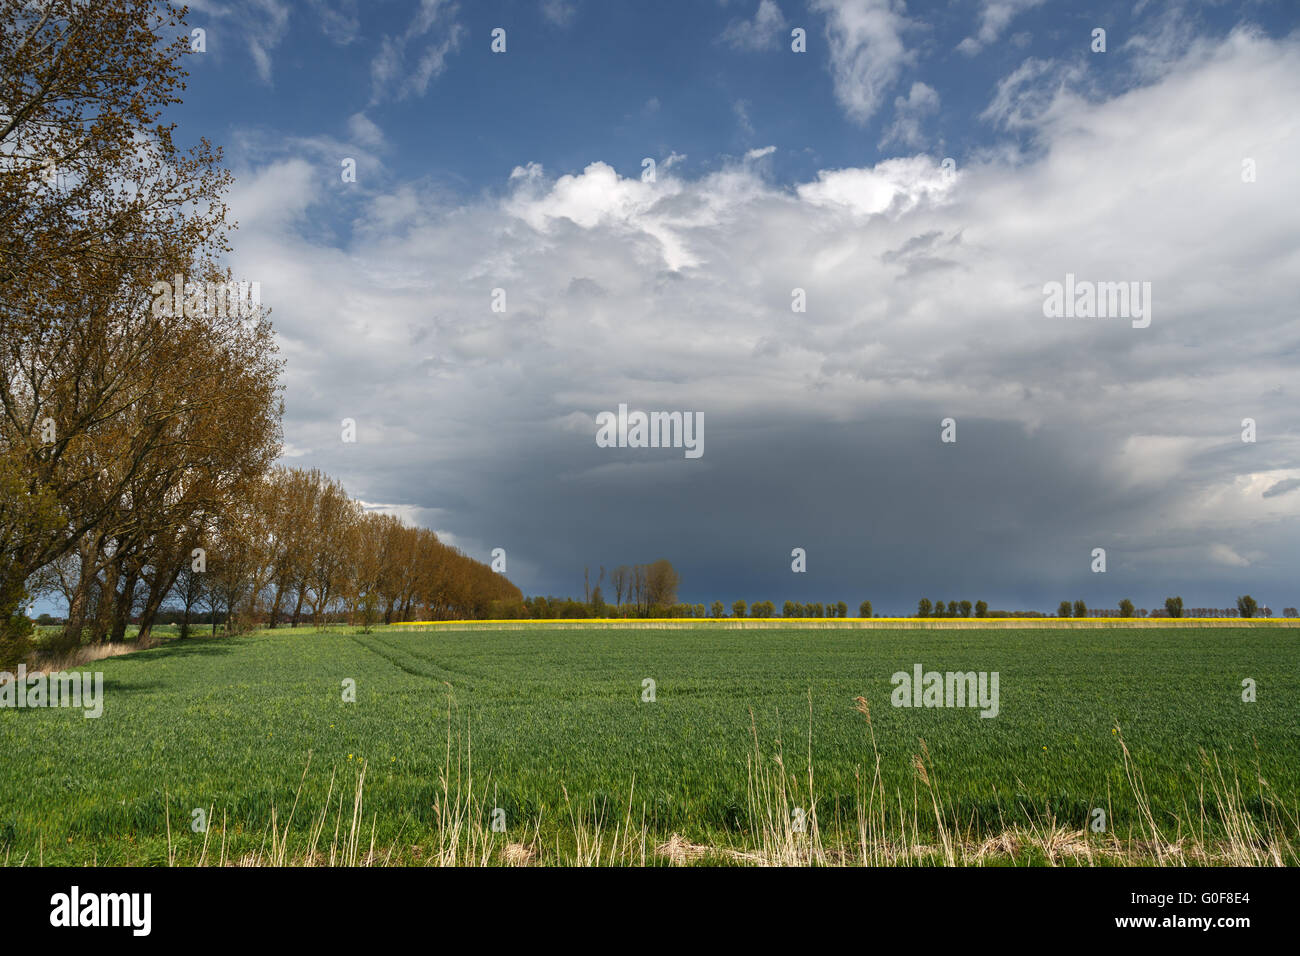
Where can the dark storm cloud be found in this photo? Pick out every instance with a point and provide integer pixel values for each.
(1282, 487)
(924, 301)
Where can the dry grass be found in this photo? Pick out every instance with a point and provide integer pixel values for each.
(87, 654)
(518, 854)
(782, 828)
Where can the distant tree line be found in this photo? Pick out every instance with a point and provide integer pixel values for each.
(638, 590)
(1246, 607)
(292, 548)
(927, 608)
(651, 591)
(551, 607)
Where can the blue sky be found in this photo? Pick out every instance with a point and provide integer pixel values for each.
(778, 172)
(623, 80)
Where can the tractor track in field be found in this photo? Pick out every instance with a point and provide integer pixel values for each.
(443, 675)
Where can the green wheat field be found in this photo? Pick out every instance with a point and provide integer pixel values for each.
(492, 744)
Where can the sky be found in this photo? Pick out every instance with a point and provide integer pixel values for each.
(915, 177)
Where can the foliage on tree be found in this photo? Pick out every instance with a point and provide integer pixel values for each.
(124, 427)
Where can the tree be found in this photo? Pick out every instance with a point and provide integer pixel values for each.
(966, 608)
(1080, 609)
(619, 578)
(788, 609)
(923, 607)
(1065, 610)
(1246, 606)
(188, 591)
(738, 609)
(22, 518)
(93, 382)
(661, 584)
(1126, 608)
(327, 572)
(371, 567)
(981, 608)
(864, 609)
(843, 608)
(397, 582)
(637, 587)
(1174, 606)
(717, 610)
(232, 566)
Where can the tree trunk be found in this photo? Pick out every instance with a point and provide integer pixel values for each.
(275, 605)
(122, 607)
(76, 622)
(107, 599)
(157, 595)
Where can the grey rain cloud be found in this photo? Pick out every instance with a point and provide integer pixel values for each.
(924, 297)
